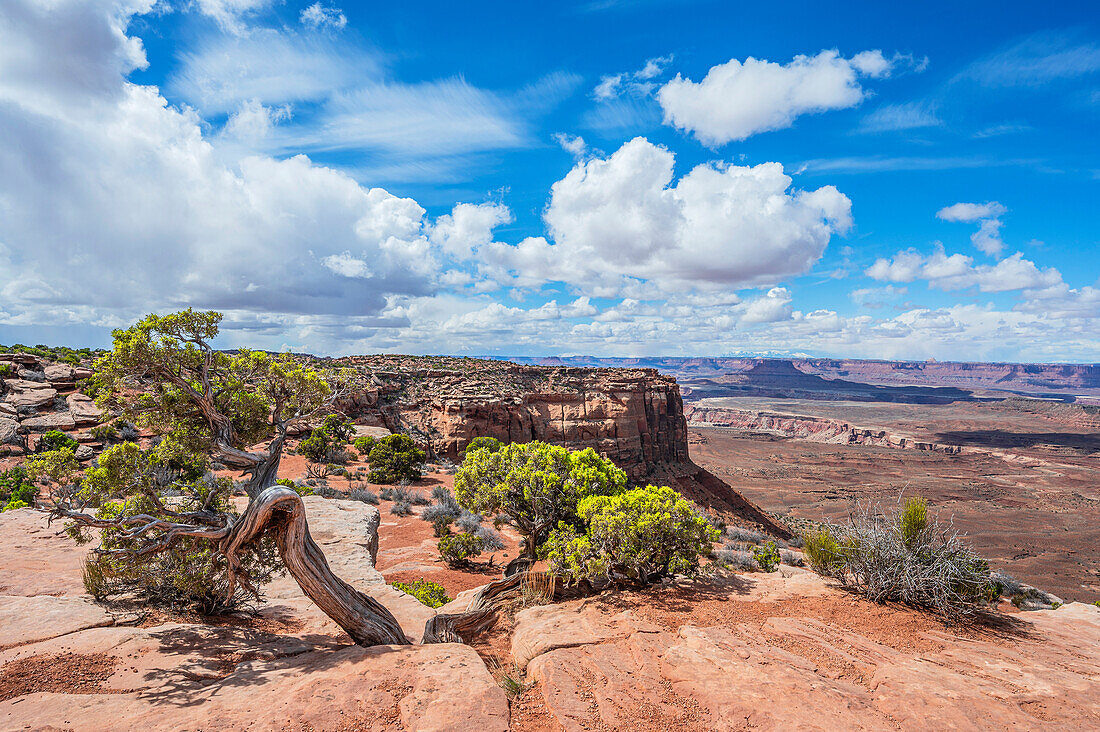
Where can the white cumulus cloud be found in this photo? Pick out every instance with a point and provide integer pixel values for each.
(738, 99)
(623, 219)
(988, 236)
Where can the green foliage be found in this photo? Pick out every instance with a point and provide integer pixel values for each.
(57, 466)
(16, 489)
(325, 439)
(364, 444)
(913, 520)
(395, 458)
(767, 556)
(154, 377)
(105, 433)
(190, 572)
(535, 485)
(300, 489)
(641, 535)
(6, 371)
(441, 524)
(64, 354)
(491, 444)
(429, 593)
(823, 551)
(55, 440)
(457, 549)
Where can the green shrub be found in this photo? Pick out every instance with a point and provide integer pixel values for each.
(429, 593)
(364, 444)
(767, 556)
(823, 551)
(441, 524)
(395, 458)
(55, 440)
(640, 536)
(105, 433)
(189, 573)
(491, 444)
(6, 371)
(457, 549)
(16, 486)
(534, 485)
(326, 439)
(301, 490)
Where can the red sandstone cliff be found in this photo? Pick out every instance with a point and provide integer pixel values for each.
(634, 417)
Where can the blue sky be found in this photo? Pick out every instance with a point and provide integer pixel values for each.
(612, 178)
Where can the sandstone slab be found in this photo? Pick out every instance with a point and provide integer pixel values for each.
(38, 558)
(176, 676)
(83, 409)
(47, 422)
(544, 628)
(30, 619)
(24, 398)
(9, 428)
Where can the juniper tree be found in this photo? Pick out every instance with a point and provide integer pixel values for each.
(164, 375)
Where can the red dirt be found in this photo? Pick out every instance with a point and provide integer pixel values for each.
(66, 673)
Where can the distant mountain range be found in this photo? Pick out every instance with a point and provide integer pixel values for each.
(851, 378)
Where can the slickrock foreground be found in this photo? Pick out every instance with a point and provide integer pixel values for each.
(765, 651)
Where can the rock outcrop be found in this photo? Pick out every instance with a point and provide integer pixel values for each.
(632, 416)
(37, 396)
(66, 663)
(786, 651)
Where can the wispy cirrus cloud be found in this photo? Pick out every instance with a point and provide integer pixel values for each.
(1037, 60)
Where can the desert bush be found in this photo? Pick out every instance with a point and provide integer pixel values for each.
(1006, 584)
(641, 535)
(308, 488)
(395, 458)
(458, 549)
(905, 556)
(326, 439)
(767, 556)
(401, 508)
(128, 432)
(105, 433)
(17, 490)
(401, 494)
(737, 559)
(440, 510)
(738, 533)
(429, 593)
(491, 541)
(491, 444)
(6, 371)
(364, 444)
(441, 524)
(790, 558)
(55, 440)
(534, 485)
(469, 521)
(359, 492)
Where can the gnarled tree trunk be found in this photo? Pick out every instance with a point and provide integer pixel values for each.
(281, 511)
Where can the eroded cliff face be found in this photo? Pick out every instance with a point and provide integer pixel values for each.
(812, 429)
(632, 416)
